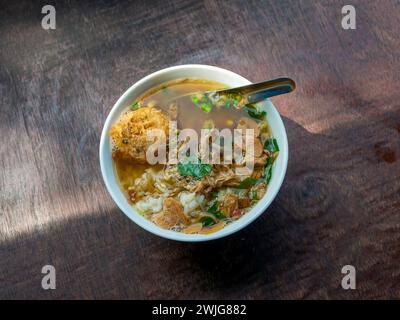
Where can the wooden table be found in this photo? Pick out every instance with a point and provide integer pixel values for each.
(339, 204)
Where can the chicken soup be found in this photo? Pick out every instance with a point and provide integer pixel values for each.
(193, 192)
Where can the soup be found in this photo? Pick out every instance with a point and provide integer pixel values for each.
(193, 194)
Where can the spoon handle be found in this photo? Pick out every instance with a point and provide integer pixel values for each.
(259, 91)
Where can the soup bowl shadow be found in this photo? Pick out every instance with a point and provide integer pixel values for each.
(205, 72)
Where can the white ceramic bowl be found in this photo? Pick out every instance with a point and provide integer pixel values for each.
(223, 76)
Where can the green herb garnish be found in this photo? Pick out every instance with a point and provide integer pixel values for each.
(254, 195)
(194, 168)
(268, 170)
(271, 145)
(206, 107)
(247, 183)
(228, 103)
(254, 112)
(204, 102)
(232, 100)
(125, 141)
(214, 210)
(207, 221)
(195, 99)
(135, 105)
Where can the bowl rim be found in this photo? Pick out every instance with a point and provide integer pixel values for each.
(149, 226)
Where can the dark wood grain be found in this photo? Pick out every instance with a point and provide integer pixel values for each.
(340, 202)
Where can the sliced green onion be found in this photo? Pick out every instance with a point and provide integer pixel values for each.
(271, 145)
(253, 112)
(254, 195)
(207, 221)
(214, 210)
(247, 183)
(206, 107)
(195, 99)
(268, 170)
(135, 105)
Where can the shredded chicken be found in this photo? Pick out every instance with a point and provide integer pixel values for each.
(222, 175)
(180, 182)
(258, 148)
(244, 203)
(261, 160)
(257, 172)
(171, 215)
(229, 204)
(259, 190)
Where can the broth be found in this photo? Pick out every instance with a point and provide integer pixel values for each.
(190, 116)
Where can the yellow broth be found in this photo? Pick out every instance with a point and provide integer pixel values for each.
(190, 115)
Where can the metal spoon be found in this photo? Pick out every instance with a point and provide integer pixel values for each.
(257, 92)
(246, 95)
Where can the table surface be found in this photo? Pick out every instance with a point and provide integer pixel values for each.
(340, 201)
